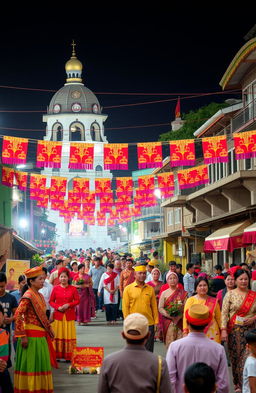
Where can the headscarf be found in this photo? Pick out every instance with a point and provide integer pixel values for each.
(155, 270)
(169, 273)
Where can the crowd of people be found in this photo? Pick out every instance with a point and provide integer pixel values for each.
(204, 321)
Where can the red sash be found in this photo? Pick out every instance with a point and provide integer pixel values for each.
(210, 303)
(131, 278)
(41, 315)
(110, 280)
(243, 310)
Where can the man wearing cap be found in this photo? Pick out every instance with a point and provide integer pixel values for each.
(196, 347)
(139, 297)
(134, 369)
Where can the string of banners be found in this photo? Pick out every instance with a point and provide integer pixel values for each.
(81, 155)
(126, 202)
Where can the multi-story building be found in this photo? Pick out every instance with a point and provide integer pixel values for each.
(222, 210)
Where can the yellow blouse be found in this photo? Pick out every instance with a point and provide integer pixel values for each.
(214, 330)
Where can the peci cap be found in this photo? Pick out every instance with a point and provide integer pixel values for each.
(198, 315)
(136, 322)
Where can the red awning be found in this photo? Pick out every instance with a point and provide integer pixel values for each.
(227, 238)
(249, 236)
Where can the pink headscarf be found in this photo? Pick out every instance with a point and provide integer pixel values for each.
(155, 270)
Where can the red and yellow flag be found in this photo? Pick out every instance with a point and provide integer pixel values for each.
(102, 186)
(146, 183)
(193, 177)
(245, 144)
(124, 185)
(21, 180)
(116, 156)
(58, 185)
(215, 149)
(166, 184)
(81, 186)
(14, 150)
(49, 154)
(149, 155)
(7, 176)
(89, 200)
(81, 156)
(182, 152)
(37, 182)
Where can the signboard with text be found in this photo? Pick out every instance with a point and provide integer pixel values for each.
(87, 357)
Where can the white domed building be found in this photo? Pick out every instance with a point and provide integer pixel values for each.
(75, 115)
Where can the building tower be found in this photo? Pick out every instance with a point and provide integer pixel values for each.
(75, 115)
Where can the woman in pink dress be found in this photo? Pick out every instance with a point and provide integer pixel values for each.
(86, 308)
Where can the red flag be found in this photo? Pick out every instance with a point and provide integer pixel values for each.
(177, 109)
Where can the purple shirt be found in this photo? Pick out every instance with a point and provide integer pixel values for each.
(196, 347)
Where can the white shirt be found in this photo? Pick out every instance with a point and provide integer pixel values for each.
(46, 292)
(106, 293)
(249, 371)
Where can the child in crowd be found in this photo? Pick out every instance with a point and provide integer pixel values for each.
(249, 374)
(5, 380)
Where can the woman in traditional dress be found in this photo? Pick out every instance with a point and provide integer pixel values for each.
(230, 284)
(35, 352)
(86, 308)
(171, 305)
(202, 288)
(64, 299)
(157, 284)
(238, 316)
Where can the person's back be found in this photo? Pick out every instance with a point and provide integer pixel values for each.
(134, 369)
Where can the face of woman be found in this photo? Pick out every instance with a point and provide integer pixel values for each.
(38, 282)
(74, 267)
(230, 282)
(242, 282)
(172, 280)
(202, 288)
(63, 278)
(21, 284)
(81, 271)
(155, 275)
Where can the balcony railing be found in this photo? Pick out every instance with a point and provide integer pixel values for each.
(243, 118)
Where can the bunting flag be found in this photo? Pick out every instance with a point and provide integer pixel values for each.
(88, 210)
(58, 187)
(116, 156)
(138, 198)
(166, 184)
(125, 215)
(146, 183)
(7, 176)
(101, 218)
(106, 201)
(149, 155)
(89, 220)
(215, 149)
(89, 200)
(21, 180)
(110, 222)
(102, 186)
(150, 200)
(124, 185)
(135, 211)
(37, 186)
(114, 214)
(14, 150)
(73, 198)
(245, 145)
(193, 177)
(81, 156)
(49, 154)
(182, 152)
(124, 199)
(44, 201)
(81, 186)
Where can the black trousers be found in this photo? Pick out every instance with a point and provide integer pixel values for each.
(111, 312)
(98, 300)
(150, 343)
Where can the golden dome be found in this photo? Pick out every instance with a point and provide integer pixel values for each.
(73, 65)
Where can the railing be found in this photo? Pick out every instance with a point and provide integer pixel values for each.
(245, 116)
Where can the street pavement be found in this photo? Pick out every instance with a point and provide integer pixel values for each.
(95, 334)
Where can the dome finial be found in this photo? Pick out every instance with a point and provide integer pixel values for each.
(73, 48)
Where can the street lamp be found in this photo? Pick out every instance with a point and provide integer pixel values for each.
(23, 223)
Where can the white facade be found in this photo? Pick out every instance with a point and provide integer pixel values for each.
(74, 115)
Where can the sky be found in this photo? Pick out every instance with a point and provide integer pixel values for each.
(174, 50)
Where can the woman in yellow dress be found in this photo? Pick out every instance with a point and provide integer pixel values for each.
(212, 330)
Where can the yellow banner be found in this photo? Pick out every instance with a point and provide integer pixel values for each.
(14, 269)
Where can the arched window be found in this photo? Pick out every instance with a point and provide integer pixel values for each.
(95, 132)
(57, 132)
(98, 171)
(76, 132)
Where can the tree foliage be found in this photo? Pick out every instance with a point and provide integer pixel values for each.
(193, 120)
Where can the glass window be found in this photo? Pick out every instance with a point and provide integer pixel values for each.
(248, 164)
(177, 216)
(229, 164)
(234, 162)
(170, 218)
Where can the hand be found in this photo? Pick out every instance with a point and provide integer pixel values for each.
(3, 365)
(24, 342)
(249, 321)
(65, 307)
(224, 335)
(60, 309)
(7, 320)
(175, 319)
